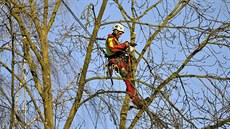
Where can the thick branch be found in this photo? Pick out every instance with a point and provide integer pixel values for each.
(52, 18)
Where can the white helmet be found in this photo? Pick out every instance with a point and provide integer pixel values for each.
(118, 27)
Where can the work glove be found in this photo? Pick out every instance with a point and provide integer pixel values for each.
(131, 48)
(126, 44)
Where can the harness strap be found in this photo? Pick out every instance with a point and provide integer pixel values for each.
(114, 61)
(109, 72)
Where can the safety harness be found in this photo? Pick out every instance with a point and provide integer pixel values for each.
(112, 66)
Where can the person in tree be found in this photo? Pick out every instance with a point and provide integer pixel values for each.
(116, 53)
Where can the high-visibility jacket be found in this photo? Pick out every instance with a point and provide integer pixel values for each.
(113, 45)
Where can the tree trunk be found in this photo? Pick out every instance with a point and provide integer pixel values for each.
(47, 87)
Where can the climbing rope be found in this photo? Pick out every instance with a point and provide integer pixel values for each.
(79, 22)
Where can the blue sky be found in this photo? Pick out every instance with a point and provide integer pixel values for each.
(112, 14)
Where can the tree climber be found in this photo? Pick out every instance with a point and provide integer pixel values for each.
(117, 59)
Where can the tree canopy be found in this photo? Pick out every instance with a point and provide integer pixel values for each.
(52, 69)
